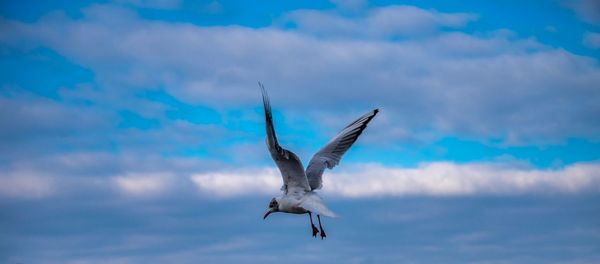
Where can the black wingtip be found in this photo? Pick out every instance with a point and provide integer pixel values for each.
(376, 111)
(264, 92)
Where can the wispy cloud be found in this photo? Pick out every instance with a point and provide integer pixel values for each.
(352, 5)
(156, 4)
(587, 10)
(381, 22)
(592, 40)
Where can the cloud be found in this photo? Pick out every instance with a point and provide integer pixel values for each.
(99, 175)
(429, 179)
(587, 10)
(351, 5)
(447, 179)
(84, 120)
(592, 40)
(154, 4)
(26, 184)
(518, 89)
(381, 22)
(409, 19)
(25, 114)
(144, 184)
(230, 184)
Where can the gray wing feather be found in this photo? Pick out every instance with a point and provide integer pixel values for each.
(331, 154)
(290, 166)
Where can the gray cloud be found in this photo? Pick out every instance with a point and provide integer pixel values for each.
(587, 10)
(351, 5)
(381, 22)
(592, 40)
(25, 114)
(35, 127)
(101, 174)
(156, 4)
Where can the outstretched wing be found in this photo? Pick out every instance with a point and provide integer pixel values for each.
(290, 166)
(330, 155)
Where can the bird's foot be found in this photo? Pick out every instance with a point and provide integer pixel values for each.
(315, 231)
(323, 235)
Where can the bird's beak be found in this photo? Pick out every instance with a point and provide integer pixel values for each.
(268, 213)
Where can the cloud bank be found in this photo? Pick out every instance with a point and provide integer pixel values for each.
(430, 179)
(354, 181)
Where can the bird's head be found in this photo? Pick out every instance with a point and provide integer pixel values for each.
(273, 207)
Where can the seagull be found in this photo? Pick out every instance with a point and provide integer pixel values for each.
(299, 185)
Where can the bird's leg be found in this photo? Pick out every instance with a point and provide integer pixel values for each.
(323, 235)
(315, 231)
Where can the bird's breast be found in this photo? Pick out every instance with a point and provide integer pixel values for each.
(291, 206)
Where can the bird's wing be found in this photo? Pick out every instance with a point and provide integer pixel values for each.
(290, 166)
(331, 154)
(313, 203)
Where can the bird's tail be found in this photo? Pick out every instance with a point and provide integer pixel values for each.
(313, 202)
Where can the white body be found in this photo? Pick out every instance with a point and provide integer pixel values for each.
(302, 204)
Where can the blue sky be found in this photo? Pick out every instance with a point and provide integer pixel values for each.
(132, 130)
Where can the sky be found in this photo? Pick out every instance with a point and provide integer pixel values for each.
(132, 131)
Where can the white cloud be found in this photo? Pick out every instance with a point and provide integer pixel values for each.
(144, 184)
(168, 178)
(228, 184)
(430, 179)
(442, 179)
(592, 40)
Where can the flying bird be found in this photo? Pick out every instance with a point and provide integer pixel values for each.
(299, 185)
